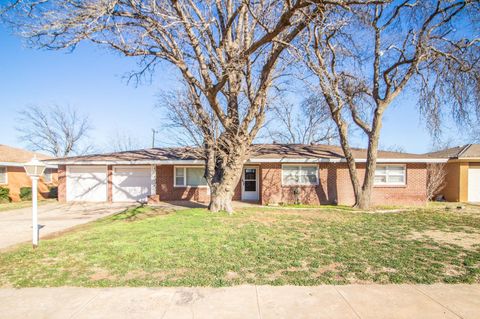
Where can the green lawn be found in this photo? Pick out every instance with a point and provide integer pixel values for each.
(145, 247)
(23, 204)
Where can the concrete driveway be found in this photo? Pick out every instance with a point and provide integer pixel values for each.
(16, 225)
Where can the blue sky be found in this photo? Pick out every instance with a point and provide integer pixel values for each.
(91, 80)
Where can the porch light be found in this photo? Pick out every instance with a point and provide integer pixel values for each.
(34, 169)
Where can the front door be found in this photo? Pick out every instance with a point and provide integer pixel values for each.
(250, 184)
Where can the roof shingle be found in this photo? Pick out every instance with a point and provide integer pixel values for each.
(11, 154)
(259, 151)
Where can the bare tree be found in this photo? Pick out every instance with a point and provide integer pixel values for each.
(123, 141)
(308, 123)
(365, 58)
(436, 174)
(59, 131)
(226, 51)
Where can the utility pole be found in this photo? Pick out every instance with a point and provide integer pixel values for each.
(153, 137)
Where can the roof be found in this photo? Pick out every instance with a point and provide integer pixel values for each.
(259, 153)
(459, 152)
(9, 154)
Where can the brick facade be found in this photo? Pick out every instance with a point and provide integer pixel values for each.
(18, 178)
(334, 186)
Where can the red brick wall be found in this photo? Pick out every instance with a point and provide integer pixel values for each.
(109, 183)
(335, 186)
(167, 192)
(62, 183)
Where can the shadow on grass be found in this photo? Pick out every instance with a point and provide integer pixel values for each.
(137, 213)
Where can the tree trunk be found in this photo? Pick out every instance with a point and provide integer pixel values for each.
(363, 200)
(221, 200)
(223, 173)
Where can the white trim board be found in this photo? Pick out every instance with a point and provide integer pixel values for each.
(252, 160)
(15, 164)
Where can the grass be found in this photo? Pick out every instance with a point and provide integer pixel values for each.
(22, 204)
(148, 247)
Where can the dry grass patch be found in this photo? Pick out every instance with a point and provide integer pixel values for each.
(466, 240)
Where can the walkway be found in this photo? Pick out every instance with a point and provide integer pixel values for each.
(350, 301)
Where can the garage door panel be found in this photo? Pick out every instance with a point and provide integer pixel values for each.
(474, 184)
(87, 184)
(131, 184)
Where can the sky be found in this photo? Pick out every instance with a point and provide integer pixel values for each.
(92, 80)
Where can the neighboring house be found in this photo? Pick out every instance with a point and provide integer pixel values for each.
(13, 176)
(463, 173)
(271, 176)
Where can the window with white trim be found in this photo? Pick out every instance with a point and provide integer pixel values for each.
(48, 175)
(299, 175)
(390, 175)
(189, 176)
(3, 175)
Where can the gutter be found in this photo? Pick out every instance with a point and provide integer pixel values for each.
(15, 164)
(252, 160)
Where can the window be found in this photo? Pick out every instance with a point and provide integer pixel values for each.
(48, 175)
(299, 175)
(3, 175)
(390, 175)
(190, 176)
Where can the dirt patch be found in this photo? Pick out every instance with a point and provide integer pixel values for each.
(327, 268)
(231, 275)
(454, 271)
(102, 274)
(158, 275)
(469, 241)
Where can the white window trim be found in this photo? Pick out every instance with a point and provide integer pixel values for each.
(185, 177)
(6, 175)
(45, 175)
(302, 165)
(391, 184)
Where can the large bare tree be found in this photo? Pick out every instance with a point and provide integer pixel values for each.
(226, 52)
(306, 123)
(365, 58)
(59, 131)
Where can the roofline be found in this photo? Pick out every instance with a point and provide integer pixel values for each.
(465, 148)
(252, 160)
(16, 164)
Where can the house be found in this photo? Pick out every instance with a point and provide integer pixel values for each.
(274, 173)
(463, 173)
(13, 176)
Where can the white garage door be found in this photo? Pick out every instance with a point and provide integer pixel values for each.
(474, 184)
(131, 184)
(86, 183)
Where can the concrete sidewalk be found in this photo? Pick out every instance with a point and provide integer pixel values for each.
(350, 301)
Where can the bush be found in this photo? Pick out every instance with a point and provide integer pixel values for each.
(53, 192)
(26, 193)
(4, 194)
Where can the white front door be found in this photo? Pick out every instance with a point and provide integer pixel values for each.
(86, 183)
(131, 184)
(474, 184)
(250, 184)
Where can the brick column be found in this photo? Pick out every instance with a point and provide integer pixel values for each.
(62, 183)
(109, 183)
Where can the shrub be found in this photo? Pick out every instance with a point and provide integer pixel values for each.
(26, 193)
(4, 194)
(53, 192)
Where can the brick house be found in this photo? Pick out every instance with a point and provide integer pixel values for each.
(463, 173)
(13, 176)
(274, 173)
